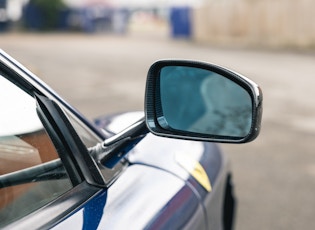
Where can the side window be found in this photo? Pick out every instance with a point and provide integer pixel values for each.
(31, 173)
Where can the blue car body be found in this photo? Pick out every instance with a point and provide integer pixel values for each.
(155, 192)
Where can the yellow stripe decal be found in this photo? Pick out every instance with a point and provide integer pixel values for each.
(195, 169)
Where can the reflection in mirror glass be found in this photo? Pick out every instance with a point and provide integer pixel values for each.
(200, 101)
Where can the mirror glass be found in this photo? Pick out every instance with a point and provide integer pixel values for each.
(201, 101)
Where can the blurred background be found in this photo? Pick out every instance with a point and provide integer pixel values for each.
(96, 53)
(281, 23)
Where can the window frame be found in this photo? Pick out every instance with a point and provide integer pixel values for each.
(83, 190)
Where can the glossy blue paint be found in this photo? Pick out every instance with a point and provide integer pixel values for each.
(154, 192)
(93, 211)
(141, 198)
(161, 155)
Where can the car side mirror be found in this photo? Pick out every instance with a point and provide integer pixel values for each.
(200, 101)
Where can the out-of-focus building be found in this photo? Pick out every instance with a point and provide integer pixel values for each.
(272, 23)
(280, 23)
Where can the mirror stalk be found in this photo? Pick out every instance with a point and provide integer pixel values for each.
(110, 151)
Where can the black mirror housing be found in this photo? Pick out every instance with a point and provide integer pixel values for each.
(201, 101)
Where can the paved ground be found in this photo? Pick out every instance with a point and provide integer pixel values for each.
(274, 175)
